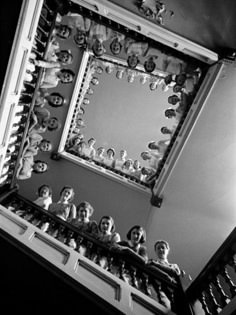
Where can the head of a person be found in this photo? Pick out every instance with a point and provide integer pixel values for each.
(53, 124)
(120, 74)
(136, 165)
(98, 48)
(173, 99)
(100, 150)
(132, 61)
(56, 99)
(153, 86)
(149, 65)
(170, 113)
(91, 141)
(63, 31)
(67, 194)
(136, 235)
(109, 68)
(162, 249)
(128, 163)
(40, 167)
(80, 38)
(86, 101)
(123, 154)
(89, 91)
(45, 191)
(152, 145)
(78, 138)
(99, 70)
(80, 111)
(106, 225)
(95, 81)
(168, 79)
(84, 211)
(145, 155)
(80, 122)
(111, 153)
(115, 46)
(45, 145)
(177, 88)
(66, 76)
(82, 145)
(166, 131)
(180, 79)
(65, 56)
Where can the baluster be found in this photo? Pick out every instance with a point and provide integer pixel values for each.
(14, 205)
(79, 241)
(133, 276)
(52, 229)
(145, 285)
(121, 270)
(110, 260)
(36, 219)
(47, 8)
(44, 224)
(224, 298)
(61, 234)
(70, 240)
(232, 262)
(96, 257)
(33, 218)
(232, 286)
(89, 247)
(43, 25)
(28, 215)
(203, 301)
(215, 305)
(39, 41)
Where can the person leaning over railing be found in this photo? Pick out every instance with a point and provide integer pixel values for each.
(83, 223)
(170, 270)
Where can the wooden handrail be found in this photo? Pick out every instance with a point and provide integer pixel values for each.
(138, 272)
(27, 124)
(214, 286)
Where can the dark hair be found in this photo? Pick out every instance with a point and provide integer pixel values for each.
(168, 79)
(180, 79)
(58, 27)
(84, 43)
(57, 105)
(138, 227)
(111, 149)
(45, 186)
(58, 126)
(91, 139)
(87, 205)
(149, 65)
(68, 187)
(115, 40)
(129, 64)
(107, 217)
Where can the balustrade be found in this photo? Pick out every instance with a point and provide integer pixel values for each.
(215, 287)
(22, 110)
(152, 283)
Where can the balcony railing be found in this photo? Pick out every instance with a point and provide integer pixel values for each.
(49, 236)
(18, 97)
(214, 290)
